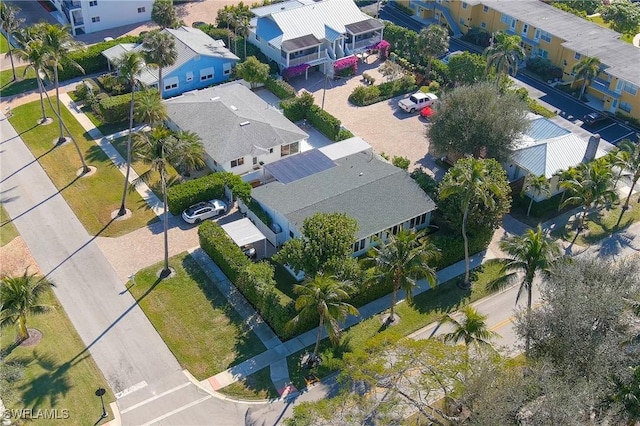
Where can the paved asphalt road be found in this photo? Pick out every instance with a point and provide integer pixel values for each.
(612, 131)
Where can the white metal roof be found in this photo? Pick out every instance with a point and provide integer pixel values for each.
(243, 232)
(345, 148)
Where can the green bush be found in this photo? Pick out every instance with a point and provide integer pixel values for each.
(256, 208)
(222, 250)
(452, 246)
(113, 85)
(91, 60)
(344, 134)
(114, 109)
(81, 92)
(368, 95)
(544, 68)
(296, 109)
(425, 181)
(324, 122)
(364, 95)
(185, 194)
(401, 162)
(404, 9)
(280, 88)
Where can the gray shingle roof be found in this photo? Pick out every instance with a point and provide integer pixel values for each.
(579, 34)
(216, 114)
(375, 193)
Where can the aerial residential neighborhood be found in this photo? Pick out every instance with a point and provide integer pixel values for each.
(319, 212)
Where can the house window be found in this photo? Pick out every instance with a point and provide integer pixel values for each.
(358, 245)
(505, 19)
(289, 149)
(255, 160)
(206, 74)
(485, 9)
(625, 106)
(270, 150)
(630, 88)
(543, 53)
(170, 83)
(464, 5)
(577, 56)
(142, 9)
(226, 68)
(483, 25)
(189, 76)
(95, 19)
(93, 3)
(396, 229)
(238, 162)
(545, 36)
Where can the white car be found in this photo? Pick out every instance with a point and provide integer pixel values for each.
(446, 58)
(417, 101)
(204, 210)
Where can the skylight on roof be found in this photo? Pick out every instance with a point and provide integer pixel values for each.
(233, 107)
(216, 98)
(245, 123)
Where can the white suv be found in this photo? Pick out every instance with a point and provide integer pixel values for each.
(417, 101)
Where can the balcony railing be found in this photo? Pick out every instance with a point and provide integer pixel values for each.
(72, 4)
(307, 59)
(362, 43)
(603, 87)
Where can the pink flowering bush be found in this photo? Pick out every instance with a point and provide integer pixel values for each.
(295, 70)
(350, 61)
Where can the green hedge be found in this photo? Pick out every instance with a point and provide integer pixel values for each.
(114, 109)
(91, 59)
(452, 248)
(256, 208)
(368, 95)
(181, 196)
(280, 88)
(344, 134)
(324, 122)
(254, 280)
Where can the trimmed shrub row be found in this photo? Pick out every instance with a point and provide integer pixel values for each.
(185, 194)
(254, 280)
(324, 122)
(368, 95)
(302, 107)
(114, 109)
(280, 88)
(452, 249)
(255, 207)
(91, 60)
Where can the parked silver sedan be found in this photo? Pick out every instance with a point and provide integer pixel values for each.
(204, 210)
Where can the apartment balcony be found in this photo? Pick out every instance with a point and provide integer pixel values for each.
(72, 4)
(307, 59)
(602, 86)
(362, 44)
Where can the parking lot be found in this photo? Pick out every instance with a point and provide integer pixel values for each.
(383, 125)
(612, 131)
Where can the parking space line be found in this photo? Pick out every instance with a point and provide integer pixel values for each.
(606, 127)
(622, 137)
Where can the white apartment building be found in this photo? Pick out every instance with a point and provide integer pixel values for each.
(90, 16)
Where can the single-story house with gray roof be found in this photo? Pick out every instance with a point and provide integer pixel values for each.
(240, 131)
(381, 197)
(201, 62)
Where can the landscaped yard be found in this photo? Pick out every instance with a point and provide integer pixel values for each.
(92, 198)
(105, 128)
(195, 320)
(58, 372)
(24, 83)
(428, 308)
(4, 46)
(8, 230)
(601, 224)
(540, 212)
(255, 386)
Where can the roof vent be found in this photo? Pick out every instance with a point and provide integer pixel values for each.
(216, 98)
(244, 123)
(233, 107)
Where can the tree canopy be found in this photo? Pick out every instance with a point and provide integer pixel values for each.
(466, 68)
(253, 71)
(478, 120)
(622, 15)
(164, 14)
(326, 245)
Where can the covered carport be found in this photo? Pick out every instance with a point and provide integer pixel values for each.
(243, 232)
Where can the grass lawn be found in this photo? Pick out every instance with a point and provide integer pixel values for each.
(7, 230)
(255, 386)
(120, 145)
(24, 83)
(58, 373)
(428, 307)
(4, 46)
(92, 198)
(202, 330)
(625, 37)
(105, 128)
(601, 224)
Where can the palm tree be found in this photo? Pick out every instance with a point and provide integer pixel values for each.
(432, 42)
(10, 23)
(617, 158)
(563, 176)
(148, 108)
(58, 43)
(401, 261)
(537, 185)
(469, 181)
(242, 28)
(633, 166)
(530, 254)
(193, 152)
(504, 55)
(228, 17)
(325, 297)
(472, 329)
(19, 299)
(590, 188)
(129, 66)
(587, 69)
(164, 14)
(160, 50)
(33, 52)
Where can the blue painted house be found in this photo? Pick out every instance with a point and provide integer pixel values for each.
(202, 62)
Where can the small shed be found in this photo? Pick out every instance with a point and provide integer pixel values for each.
(244, 233)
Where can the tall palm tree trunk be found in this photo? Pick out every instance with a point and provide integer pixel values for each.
(55, 72)
(320, 326)
(467, 265)
(123, 209)
(41, 89)
(160, 85)
(165, 272)
(23, 332)
(13, 67)
(584, 87)
(527, 339)
(625, 207)
(529, 209)
(394, 300)
(85, 167)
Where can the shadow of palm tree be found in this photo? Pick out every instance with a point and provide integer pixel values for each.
(95, 154)
(35, 160)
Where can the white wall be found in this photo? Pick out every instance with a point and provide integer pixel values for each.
(115, 13)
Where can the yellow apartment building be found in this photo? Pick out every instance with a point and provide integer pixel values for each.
(550, 33)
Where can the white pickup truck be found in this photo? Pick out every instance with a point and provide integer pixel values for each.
(417, 101)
